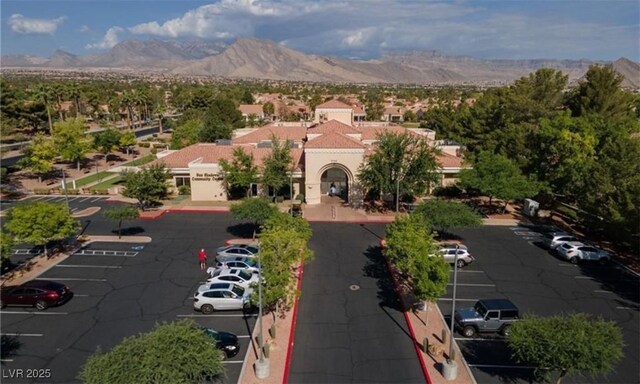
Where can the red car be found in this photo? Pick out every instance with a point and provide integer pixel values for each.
(38, 293)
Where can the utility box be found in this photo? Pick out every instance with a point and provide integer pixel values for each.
(531, 207)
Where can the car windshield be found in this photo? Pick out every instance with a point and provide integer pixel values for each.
(480, 309)
(251, 263)
(244, 275)
(252, 249)
(238, 290)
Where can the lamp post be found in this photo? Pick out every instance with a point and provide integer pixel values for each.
(262, 364)
(64, 186)
(291, 191)
(450, 367)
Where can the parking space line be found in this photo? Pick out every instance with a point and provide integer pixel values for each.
(250, 315)
(500, 366)
(635, 308)
(85, 199)
(475, 339)
(72, 279)
(583, 277)
(467, 271)
(473, 285)
(32, 313)
(567, 265)
(243, 336)
(233, 362)
(96, 199)
(76, 295)
(87, 266)
(92, 252)
(451, 299)
(75, 198)
(22, 334)
(6, 360)
(74, 209)
(38, 198)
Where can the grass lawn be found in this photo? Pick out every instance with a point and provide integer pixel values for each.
(92, 178)
(108, 183)
(143, 160)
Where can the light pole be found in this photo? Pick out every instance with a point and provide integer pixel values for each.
(262, 365)
(450, 367)
(291, 191)
(64, 186)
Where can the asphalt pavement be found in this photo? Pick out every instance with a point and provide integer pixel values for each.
(350, 328)
(511, 264)
(121, 289)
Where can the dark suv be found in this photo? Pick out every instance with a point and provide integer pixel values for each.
(487, 316)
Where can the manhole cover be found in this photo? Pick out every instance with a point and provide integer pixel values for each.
(354, 287)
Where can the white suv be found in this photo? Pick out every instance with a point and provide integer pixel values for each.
(221, 296)
(448, 250)
(575, 251)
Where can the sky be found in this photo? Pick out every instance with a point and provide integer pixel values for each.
(515, 29)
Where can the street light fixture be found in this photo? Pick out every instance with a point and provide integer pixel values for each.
(262, 365)
(450, 367)
(64, 186)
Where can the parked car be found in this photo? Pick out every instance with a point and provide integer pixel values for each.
(41, 294)
(241, 277)
(240, 263)
(487, 316)
(225, 341)
(448, 250)
(236, 250)
(553, 240)
(575, 251)
(221, 296)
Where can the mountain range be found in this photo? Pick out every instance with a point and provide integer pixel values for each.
(264, 59)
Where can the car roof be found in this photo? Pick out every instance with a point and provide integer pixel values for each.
(575, 243)
(42, 284)
(499, 304)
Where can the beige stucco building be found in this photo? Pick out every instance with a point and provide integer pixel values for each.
(329, 151)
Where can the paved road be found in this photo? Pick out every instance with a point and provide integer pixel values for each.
(345, 335)
(509, 264)
(120, 293)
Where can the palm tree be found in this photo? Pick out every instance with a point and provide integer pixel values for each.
(73, 90)
(127, 101)
(57, 91)
(42, 93)
(159, 110)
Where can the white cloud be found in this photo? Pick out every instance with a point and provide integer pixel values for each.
(358, 38)
(108, 41)
(227, 18)
(25, 25)
(84, 28)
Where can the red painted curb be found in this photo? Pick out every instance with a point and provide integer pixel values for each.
(351, 221)
(287, 364)
(423, 364)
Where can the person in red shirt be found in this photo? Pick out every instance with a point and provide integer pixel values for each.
(202, 257)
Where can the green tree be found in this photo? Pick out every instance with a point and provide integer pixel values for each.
(213, 128)
(283, 244)
(601, 94)
(127, 140)
(566, 344)
(257, 210)
(42, 93)
(373, 105)
(40, 222)
(269, 108)
(409, 115)
(148, 186)
(545, 87)
(120, 214)
(6, 245)
(178, 352)
(39, 155)
(70, 140)
(227, 112)
(497, 176)
(412, 250)
(399, 160)
(107, 141)
(247, 97)
(278, 165)
(241, 172)
(186, 134)
(315, 100)
(442, 215)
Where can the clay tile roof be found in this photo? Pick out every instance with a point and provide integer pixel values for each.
(333, 140)
(212, 153)
(333, 126)
(335, 104)
(393, 111)
(371, 133)
(265, 134)
(449, 161)
(357, 110)
(248, 109)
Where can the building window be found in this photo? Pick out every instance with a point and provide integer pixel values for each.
(180, 181)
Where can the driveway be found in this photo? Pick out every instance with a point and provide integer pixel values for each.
(350, 327)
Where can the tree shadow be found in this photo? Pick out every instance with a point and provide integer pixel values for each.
(129, 231)
(376, 268)
(242, 230)
(9, 346)
(485, 353)
(616, 280)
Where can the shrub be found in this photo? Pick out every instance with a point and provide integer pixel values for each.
(144, 145)
(100, 191)
(184, 190)
(448, 191)
(42, 191)
(300, 197)
(154, 150)
(73, 191)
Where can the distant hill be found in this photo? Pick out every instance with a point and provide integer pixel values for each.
(264, 59)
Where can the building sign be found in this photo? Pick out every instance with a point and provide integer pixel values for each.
(204, 177)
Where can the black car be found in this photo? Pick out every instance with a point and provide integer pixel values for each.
(225, 341)
(37, 293)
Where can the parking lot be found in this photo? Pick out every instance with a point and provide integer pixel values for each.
(511, 264)
(121, 289)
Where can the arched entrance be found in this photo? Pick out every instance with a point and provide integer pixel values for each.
(337, 177)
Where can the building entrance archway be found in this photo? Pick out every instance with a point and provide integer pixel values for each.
(337, 177)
